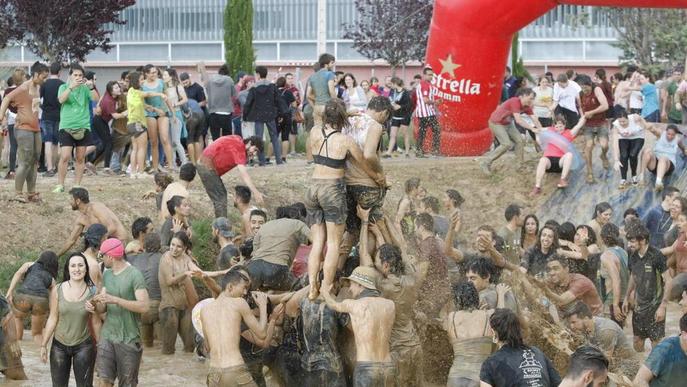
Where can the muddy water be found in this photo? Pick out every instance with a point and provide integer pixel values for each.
(182, 369)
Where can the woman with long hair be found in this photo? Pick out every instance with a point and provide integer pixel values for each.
(405, 212)
(285, 119)
(31, 296)
(369, 93)
(137, 124)
(158, 112)
(326, 197)
(542, 103)
(469, 333)
(602, 215)
(176, 96)
(534, 259)
(583, 254)
(357, 99)
(628, 141)
(400, 120)
(71, 318)
(528, 236)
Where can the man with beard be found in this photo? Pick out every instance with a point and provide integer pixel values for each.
(570, 287)
(90, 213)
(223, 155)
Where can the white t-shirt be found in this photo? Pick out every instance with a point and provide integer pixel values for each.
(567, 97)
(544, 96)
(636, 100)
(633, 130)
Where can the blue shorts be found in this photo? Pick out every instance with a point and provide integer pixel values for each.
(49, 131)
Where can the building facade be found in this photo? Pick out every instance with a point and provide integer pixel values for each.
(182, 32)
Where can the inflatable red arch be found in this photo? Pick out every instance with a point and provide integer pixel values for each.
(469, 42)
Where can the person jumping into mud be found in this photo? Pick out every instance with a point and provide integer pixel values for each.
(221, 321)
(220, 157)
(326, 197)
(372, 318)
(90, 213)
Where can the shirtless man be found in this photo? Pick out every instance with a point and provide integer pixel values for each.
(366, 130)
(242, 198)
(221, 321)
(187, 173)
(372, 318)
(90, 213)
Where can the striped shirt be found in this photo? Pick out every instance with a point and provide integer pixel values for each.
(422, 109)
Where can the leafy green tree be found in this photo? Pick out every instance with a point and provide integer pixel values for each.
(238, 36)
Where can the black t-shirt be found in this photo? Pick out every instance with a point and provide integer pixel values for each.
(51, 106)
(647, 271)
(195, 91)
(511, 367)
(534, 260)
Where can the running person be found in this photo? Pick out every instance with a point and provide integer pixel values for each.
(662, 160)
(593, 104)
(75, 123)
(326, 197)
(555, 159)
(502, 124)
(628, 141)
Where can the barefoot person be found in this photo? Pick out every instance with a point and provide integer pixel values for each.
(372, 318)
(75, 123)
(89, 213)
(502, 123)
(558, 152)
(70, 322)
(31, 296)
(124, 298)
(326, 197)
(26, 99)
(662, 160)
(221, 321)
(220, 157)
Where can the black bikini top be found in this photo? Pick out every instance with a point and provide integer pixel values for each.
(326, 160)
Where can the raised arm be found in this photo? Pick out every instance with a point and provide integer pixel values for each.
(341, 307)
(449, 250)
(265, 343)
(365, 258)
(259, 328)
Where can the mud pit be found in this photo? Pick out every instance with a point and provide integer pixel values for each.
(45, 226)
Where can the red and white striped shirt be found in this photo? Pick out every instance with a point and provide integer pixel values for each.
(422, 109)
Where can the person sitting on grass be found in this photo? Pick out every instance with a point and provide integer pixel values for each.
(559, 152)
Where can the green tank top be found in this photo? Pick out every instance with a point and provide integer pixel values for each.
(72, 326)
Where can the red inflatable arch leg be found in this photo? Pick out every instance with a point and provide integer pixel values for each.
(468, 46)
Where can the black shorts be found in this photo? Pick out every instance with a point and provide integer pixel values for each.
(555, 165)
(644, 325)
(269, 276)
(400, 121)
(668, 172)
(66, 139)
(194, 126)
(285, 127)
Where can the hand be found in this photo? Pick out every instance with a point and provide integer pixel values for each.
(97, 111)
(260, 298)
(177, 225)
(618, 313)
(664, 116)
(363, 214)
(588, 115)
(617, 165)
(163, 96)
(149, 195)
(502, 289)
(374, 229)
(89, 306)
(259, 197)
(44, 354)
(626, 307)
(660, 313)
(88, 83)
(105, 298)
(484, 243)
(277, 312)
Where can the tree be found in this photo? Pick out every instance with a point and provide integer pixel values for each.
(238, 36)
(58, 30)
(650, 36)
(393, 30)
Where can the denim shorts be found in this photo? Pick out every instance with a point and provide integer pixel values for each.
(49, 131)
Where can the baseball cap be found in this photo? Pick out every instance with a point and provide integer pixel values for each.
(112, 247)
(222, 225)
(363, 276)
(184, 76)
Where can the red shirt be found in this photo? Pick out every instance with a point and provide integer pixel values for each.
(554, 151)
(503, 115)
(226, 153)
(584, 290)
(590, 102)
